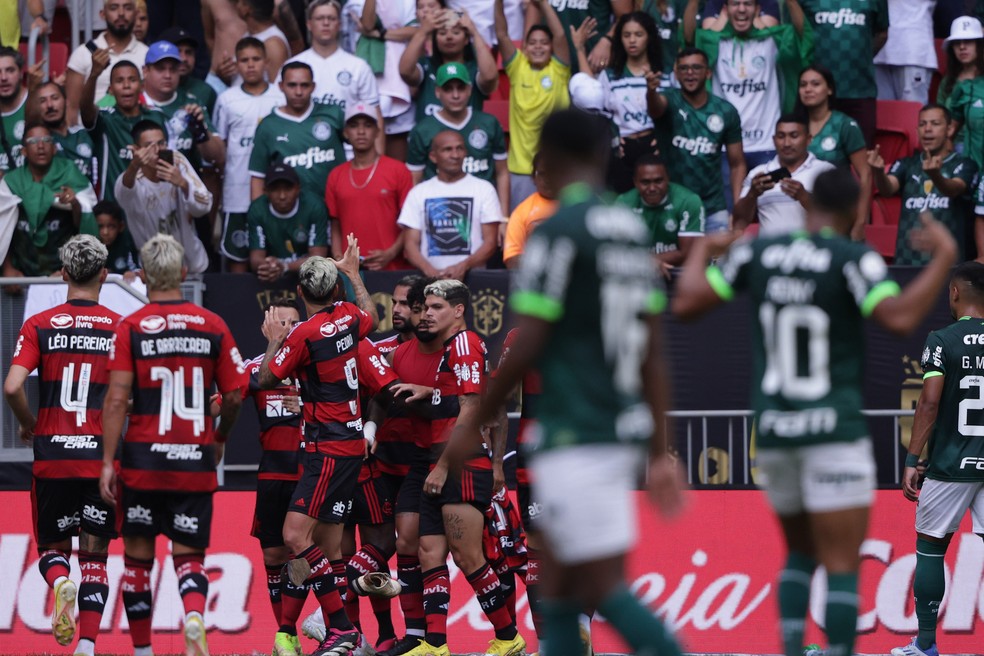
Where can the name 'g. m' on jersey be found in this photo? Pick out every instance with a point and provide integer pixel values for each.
(810, 295)
(956, 447)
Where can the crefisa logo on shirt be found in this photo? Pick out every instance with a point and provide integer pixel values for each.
(152, 324)
(328, 329)
(321, 131)
(62, 321)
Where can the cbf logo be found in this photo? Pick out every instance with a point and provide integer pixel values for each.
(488, 306)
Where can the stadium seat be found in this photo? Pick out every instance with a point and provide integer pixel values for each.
(885, 211)
(502, 89)
(896, 130)
(500, 110)
(882, 239)
(57, 56)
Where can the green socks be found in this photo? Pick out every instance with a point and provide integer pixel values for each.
(637, 625)
(794, 600)
(842, 613)
(561, 630)
(928, 588)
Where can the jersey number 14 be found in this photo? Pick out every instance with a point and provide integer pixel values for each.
(173, 401)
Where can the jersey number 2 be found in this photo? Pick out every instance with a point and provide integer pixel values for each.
(964, 426)
(173, 398)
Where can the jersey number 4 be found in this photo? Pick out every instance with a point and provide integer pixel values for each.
(70, 401)
(173, 400)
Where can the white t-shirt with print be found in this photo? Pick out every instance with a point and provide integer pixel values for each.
(745, 75)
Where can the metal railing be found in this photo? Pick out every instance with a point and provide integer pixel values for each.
(82, 16)
(32, 47)
(11, 319)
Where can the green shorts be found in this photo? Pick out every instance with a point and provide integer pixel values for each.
(235, 237)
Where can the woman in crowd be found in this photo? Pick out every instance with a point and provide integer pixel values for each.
(966, 101)
(964, 56)
(453, 38)
(836, 137)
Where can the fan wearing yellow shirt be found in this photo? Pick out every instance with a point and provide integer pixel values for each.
(538, 77)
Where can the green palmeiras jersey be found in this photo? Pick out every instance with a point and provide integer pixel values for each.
(12, 125)
(288, 237)
(967, 105)
(810, 295)
(176, 122)
(844, 31)
(691, 139)
(485, 143)
(919, 193)
(573, 12)
(311, 144)
(77, 146)
(426, 98)
(111, 136)
(589, 270)
(956, 446)
(123, 254)
(837, 140)
(681, 214)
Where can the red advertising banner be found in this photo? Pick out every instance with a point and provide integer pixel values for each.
(710, 575)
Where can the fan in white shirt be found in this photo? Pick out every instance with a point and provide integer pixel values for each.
(778, 193)
(452, 220)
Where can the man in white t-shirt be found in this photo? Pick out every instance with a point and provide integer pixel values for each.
(778, 193)
(120, 16)
(452, 220)
(339, 77)
(238, 112)
(905, 66)
(258, 15)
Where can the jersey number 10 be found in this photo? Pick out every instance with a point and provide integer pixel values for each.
(782, 333)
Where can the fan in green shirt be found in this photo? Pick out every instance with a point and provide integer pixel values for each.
(48, 101)
(286, 225)
(123, 255)
(673, 214)
(967, 106)
(196, 90)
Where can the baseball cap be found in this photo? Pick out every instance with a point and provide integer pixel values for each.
(178, 35)
(281, 172)
(161, 50)
(587, 93)
(359, 109)
(964, 28)
(452, 71)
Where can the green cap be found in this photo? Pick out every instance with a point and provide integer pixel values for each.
(452, 71)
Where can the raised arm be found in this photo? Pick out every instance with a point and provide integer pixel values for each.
(690, 22)
(87, 103)
(488, 70)
(888, 185)
(796, 16)
(415, 50)
(506, 47)
(560, 47)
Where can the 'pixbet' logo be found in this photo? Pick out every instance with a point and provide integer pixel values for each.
(62, 321)
(153, 324)
(328, 329)
(972, 462)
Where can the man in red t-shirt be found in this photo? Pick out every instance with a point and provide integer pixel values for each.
(453, 505)
(365, 196)
(168, 354)
(69, 346)
(322, 353)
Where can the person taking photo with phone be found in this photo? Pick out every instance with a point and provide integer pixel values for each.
(161, 193)
(777, 194)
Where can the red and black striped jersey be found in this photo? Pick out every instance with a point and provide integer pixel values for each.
(463, 370)
(69, 345)
(388, 344)
(176, 351)
(281, 433)
(403, 431)
(530, 392)
(322, 353)
(375, 373)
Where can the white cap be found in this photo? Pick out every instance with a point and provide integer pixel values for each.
(587, 93)
(964, 28)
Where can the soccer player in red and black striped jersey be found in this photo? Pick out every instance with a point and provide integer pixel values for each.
(280, 439)
(69, 346)
(321, 352)
(168, 354)
(452, 509)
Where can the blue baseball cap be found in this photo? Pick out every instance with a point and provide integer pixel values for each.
(160, 51)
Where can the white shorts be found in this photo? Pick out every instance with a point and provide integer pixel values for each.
(820, 478)
(587, 495)
(942, 505)
(402, 122)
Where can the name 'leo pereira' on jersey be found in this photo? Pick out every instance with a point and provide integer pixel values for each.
(176, 351)
(69, 345)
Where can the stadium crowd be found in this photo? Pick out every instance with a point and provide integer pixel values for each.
(314, 139)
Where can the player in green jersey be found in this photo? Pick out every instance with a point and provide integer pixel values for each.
(286, 225)
(588, 298)
(673, 214)
(111, 127)
(485, 142)
(811, 291)
(74, 143)
(948, 418)
(937, 180)
(302, 134)
(693, 125)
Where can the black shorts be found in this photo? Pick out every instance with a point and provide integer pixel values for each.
(184, 517)
(372, 504)
(63, 505)
(393, 483)
(272, 500)
(412, 488)
(474, 487)
(327, 487)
